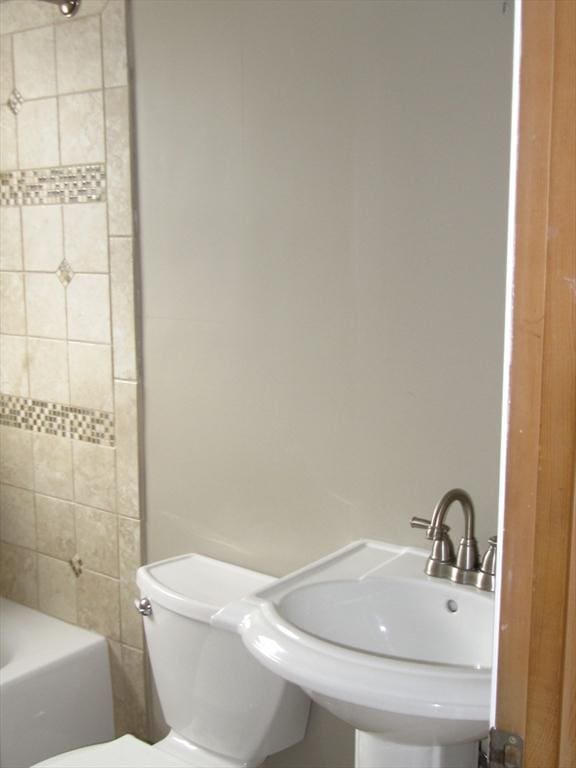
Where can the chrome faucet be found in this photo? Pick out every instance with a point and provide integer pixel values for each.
(465, 567)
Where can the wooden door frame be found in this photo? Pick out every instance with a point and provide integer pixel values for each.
(536, 671)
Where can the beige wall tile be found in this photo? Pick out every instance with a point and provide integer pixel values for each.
(45, 305)
(10, 239)
(38, 134)
(13, 366)
(82, 123)
(79, 56)
(130, 552)
(118, 685)
(133, 664)
(98, 604)
(92, 7)
(19, 574)
(6, 68)
(94, 475)
(48, 360)
(91, 376)
(8, 140)
(127, 495)
(118, 161)
(55, 527)
(12, 307)
(85, 237)
(57, 588)
(97, 540)
(130, 559)
(114, 44)
(42, 237)
(26, 14)
(16, 457)
(123, 316)
(34, 63)
(129, 687)
(132, 631)
(89, 308)
(53, 465)
(17, 518)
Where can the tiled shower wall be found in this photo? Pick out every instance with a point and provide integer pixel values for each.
(70, 521)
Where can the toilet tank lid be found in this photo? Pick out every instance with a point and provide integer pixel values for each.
(197, 586)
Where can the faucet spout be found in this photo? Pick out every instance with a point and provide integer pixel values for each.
(467, 558)
(441, 510)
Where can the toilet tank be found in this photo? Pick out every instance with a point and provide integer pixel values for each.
(213, 693)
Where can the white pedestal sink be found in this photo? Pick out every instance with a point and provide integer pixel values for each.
(403, 657)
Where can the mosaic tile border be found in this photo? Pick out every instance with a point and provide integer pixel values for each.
(85, 424)
(53, 186)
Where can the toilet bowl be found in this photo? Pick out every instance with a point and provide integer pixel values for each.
(223, 708)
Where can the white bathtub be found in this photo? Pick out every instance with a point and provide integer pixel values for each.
(55, 690)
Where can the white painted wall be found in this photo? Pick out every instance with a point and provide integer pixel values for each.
(322, 191)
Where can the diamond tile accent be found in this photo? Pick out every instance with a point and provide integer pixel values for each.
(85, 424)
(15, 101)
(54, 186)
(65, 273)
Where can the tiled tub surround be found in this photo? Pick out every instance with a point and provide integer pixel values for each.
(69, 495)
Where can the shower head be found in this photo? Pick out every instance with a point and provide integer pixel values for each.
(67, 7)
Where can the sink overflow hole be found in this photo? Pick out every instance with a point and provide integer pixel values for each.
(452, 606)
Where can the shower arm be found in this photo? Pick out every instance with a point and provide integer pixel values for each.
(67, 7)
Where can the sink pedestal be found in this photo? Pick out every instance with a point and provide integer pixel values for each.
(373, 751)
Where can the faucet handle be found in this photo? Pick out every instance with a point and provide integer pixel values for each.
(489, 559)
(487, 572)
(421, 522)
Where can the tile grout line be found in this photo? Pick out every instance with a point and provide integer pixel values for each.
(108, 243)
(112, 310)
(62, 230)
(22, 249)
(76, 553)
(26, 325)
(69, 501)
(57, 22)
(63, 339)
(49, 556)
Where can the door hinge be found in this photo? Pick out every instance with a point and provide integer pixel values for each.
(506, 749)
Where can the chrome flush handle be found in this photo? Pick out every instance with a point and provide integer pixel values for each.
(143, 606)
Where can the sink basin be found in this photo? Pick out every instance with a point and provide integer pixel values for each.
(402, 619)
(379, 644)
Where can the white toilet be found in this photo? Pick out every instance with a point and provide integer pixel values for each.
(223, 708)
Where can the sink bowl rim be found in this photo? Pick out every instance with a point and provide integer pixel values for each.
(287, 629)
(274, 614)
(363, 679)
